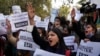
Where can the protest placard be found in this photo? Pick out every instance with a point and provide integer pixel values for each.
(69, 42)
(19, 21)
(42, 24)
(89, 49)
(37, 18)
(16, 9)
(26, 42)
(40, 52)
(2, 25)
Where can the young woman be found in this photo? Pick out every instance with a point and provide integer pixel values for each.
(89, 33)
(55, 41)
(57, 23)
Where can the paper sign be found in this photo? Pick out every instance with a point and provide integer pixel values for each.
(2, 24)
(97, 2)
(40, 52)
(78, 16)
(16, 9)
(69, 39)
(47, 19)
(89, 49)
(37, 18)
(19, 21)
(70, 44)
(42, 24)
(26, 42)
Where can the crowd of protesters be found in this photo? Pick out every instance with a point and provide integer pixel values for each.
(52, 39)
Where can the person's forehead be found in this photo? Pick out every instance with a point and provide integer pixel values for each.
(88, 25)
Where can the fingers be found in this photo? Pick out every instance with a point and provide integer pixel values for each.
(73, 13)
(86, 40)
(8, 25)
(29, 6)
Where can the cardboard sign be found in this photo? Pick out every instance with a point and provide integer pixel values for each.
(19, 21)
(42, 24)
(26, 42)
(40, 52)
(89, 49)
(70, 44)
(2, 25)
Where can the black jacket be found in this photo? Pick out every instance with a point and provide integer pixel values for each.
(81, 34)
(45, 45)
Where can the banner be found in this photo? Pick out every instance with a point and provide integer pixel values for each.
(2, 25)
(42, 24)
(69, 42)
(19, 21)
(40, 52)
(26, 42)
(89, 49)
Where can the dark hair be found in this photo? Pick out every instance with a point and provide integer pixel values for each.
(43, 31)
(58, 18)
(63, 21)
(58, 32)
(68, 29)
(60, 36)
(93, 26)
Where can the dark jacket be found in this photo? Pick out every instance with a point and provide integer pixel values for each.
(81, 34)
(59, 48)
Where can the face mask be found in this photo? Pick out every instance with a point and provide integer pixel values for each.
(90, 35)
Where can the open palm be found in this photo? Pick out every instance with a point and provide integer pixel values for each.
(31, 11)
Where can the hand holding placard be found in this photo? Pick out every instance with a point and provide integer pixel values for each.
(31, 13)
(8, 27)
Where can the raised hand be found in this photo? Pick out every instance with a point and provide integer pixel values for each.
(10, 36)
(31, 11)
(9, 31)
(73, 13)
(86, 40)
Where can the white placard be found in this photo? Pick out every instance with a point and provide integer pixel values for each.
(96, 2)
(40, 52)
(69, 42)
(78, 16)
(47, 19)
(69, 39)
(37, 18)
(42, 24)
(2, 24)
(19, 21)
(26, 42)
(16, 9)
(89, 49)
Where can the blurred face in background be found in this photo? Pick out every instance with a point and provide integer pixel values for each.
(65, 32)
(40, 31)
(57, 23)
(52, 38)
